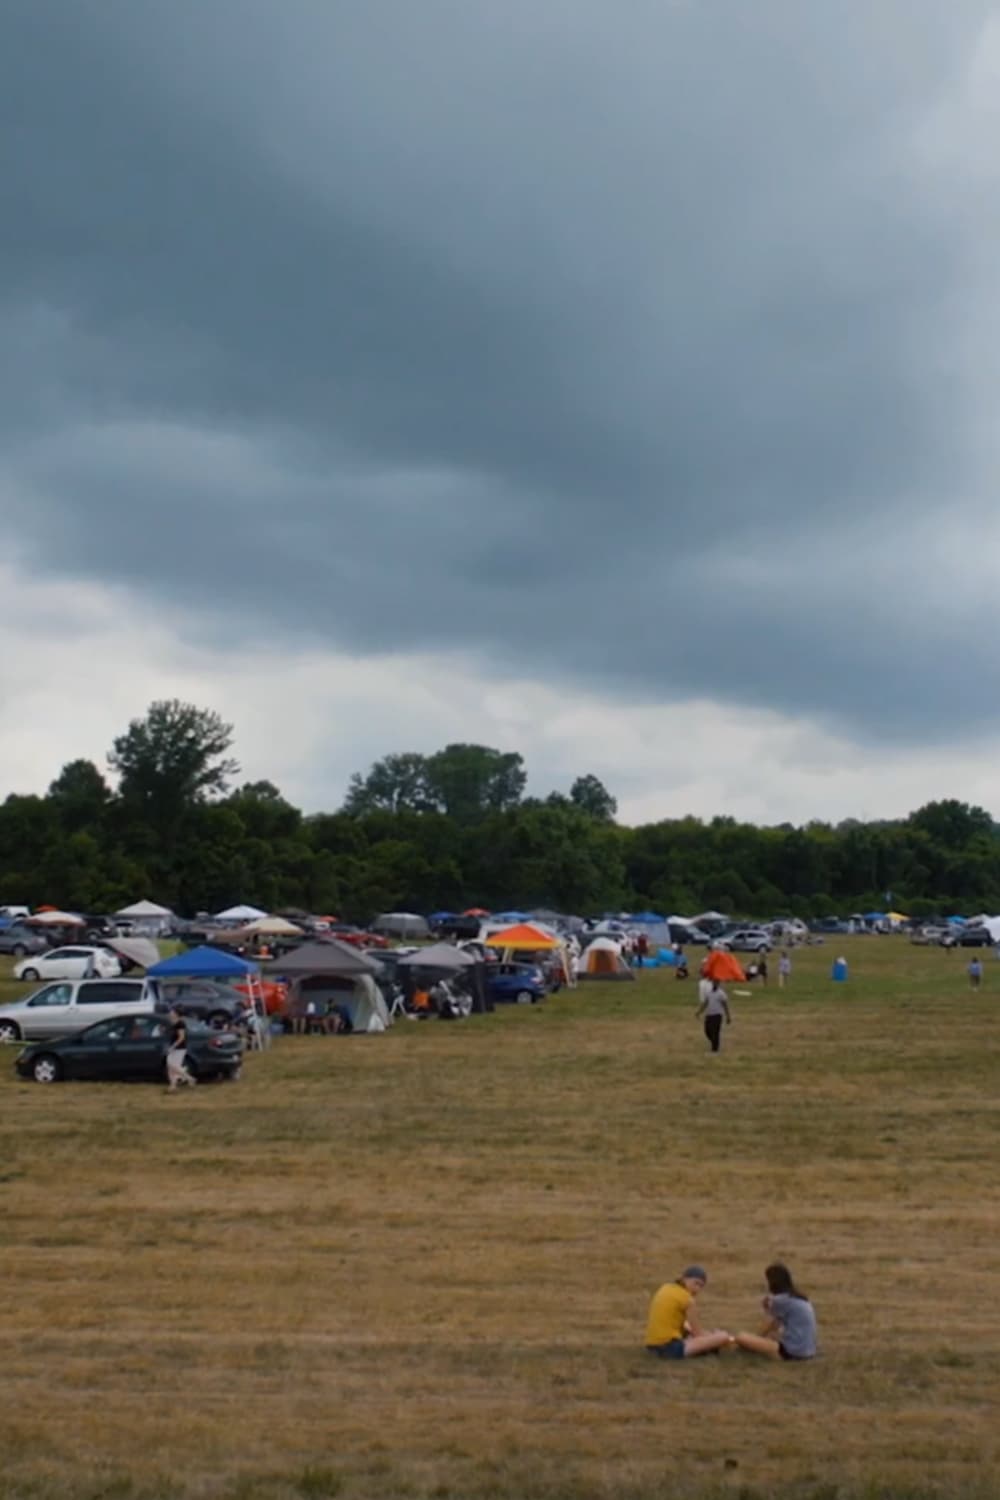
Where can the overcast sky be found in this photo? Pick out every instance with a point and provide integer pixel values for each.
(611, 380)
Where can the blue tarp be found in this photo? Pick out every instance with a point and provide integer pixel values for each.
(959, 921)
(202, 963)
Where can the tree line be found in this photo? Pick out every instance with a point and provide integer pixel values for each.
(166, 819)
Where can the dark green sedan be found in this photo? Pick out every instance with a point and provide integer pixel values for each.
(129, 1049)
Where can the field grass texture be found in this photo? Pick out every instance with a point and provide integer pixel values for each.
(419, 1264)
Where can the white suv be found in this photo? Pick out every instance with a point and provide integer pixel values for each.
(63, 1008)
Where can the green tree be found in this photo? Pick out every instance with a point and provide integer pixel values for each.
(172, 760)
(79, 796)
(469, 781)
(592, 797)
(396, 783)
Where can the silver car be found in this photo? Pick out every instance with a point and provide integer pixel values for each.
(67, 1006)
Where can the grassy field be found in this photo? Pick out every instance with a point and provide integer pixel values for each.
(419, 1264)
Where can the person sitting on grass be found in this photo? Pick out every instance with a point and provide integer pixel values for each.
(790, 1331)
(673, 1330)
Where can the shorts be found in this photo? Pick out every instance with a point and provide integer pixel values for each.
(673, 1350)
(784, 1354)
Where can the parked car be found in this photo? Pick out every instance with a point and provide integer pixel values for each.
(69, 963)
(968, 937)
(218, 1005)
(20, 940)
(72, 1005)
(522, 984)
(748, 940)
(931, 934)
(130, 1047)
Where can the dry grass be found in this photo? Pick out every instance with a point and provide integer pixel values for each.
(419, 1264)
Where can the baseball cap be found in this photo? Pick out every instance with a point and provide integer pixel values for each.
(695, 1273)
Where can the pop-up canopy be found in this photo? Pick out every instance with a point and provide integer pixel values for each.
(524, 938)
(202, 963)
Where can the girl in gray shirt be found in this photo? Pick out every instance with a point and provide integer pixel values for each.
(791, 1322)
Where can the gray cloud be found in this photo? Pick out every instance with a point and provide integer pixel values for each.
(625, 343)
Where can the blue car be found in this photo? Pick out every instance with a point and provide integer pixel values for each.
(517, 984)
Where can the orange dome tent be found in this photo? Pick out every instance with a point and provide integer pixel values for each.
(722, 965)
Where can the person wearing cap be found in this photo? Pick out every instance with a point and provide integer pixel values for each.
(673, 1330)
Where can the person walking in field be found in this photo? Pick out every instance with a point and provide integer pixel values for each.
(714, 1006)
(784, 969)
(975, 973)
(177, 1068)
(673, 1330)
(790, 1329)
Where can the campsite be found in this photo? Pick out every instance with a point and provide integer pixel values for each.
(418, 1263)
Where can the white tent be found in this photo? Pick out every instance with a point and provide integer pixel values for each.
(57, 918)
(144, 909)
(240, 914)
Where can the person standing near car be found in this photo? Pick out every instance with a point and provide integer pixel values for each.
(714, 1006)
(177, 1068)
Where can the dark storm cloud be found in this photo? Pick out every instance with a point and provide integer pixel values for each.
(588, 336)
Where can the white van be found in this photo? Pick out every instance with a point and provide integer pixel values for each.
(68, 1005)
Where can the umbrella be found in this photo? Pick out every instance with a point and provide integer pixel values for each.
(438, 956)
(52, 918)
(476, 911)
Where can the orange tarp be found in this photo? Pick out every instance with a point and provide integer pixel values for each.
(721, 965)
(522, 936)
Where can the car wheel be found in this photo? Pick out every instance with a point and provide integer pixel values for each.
(9, 1031)
(524, 997)
(30, 975)
(46, 1069)
(19, 950)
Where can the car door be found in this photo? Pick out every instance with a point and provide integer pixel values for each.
(49, 1013)
(64, 963)
(141, 1049)
(93, 1052)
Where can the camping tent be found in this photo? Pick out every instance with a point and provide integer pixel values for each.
(329, 957)
(721, 965)
(404, 924)
(647, 919)
(602, 959)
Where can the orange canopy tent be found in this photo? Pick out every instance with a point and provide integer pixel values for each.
(722, 965)
(523, 937)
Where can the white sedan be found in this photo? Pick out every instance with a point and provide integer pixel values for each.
(69, 963)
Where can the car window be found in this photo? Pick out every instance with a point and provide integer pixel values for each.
(146, 1028)
(96, 992)
(56, 994)
(106, 1031)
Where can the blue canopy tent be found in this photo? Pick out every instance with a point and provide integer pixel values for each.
(213, 963)
(510, 916)
(647, 918)
(202, 963)
(442, 916)
(958, 921)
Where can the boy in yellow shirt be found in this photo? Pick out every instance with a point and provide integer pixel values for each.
(673, 1330)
